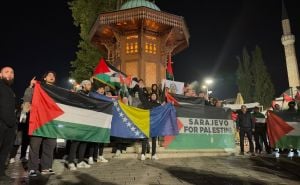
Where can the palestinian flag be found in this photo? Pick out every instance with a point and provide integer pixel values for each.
(202, 127)
(108, 74)
(60, 113)
(170, 75)
(284, 129)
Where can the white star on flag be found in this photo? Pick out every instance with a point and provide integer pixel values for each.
(133, 129)
(128, 124)
(118, 109)
(125, 119)
(121, 114)
(137, 133)
(115, 103)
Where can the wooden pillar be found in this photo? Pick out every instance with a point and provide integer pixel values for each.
(141, 62)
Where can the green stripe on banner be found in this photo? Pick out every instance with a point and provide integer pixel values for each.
(73, 131)
(288, 141)
(204, 141)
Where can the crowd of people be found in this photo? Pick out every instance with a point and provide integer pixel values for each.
(253, 125)
(41, 149)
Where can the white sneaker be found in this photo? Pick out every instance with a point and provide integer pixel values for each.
(118, 153)
(91, 160)
(154, 157)
(102, 159)
(32, 173)
(47, 172)
(143, 157)
(72, 167)
(124, 152)
(83, 164)
(12, 160)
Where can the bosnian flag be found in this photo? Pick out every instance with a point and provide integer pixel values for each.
(284, 129)
(134, 123)
(60, 113)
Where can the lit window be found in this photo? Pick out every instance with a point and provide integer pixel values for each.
(135, 47)
(150, 48)
(132, 46)
(147, 47)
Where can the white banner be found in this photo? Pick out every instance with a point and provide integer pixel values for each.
(206, 126)
(174, 86)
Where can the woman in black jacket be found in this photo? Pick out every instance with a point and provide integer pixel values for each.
(148, 104)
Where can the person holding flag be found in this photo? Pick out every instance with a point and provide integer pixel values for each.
(86, 86)
(48, 144)
(260, 132)
(148, 104)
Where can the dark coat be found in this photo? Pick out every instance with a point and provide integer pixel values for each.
(245, 121)
(7, 105)
(146, 104)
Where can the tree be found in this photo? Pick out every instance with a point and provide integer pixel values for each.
(244, 77)
(263, 86)
(85, 13)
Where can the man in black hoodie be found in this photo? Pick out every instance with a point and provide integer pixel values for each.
(245, 125)
(7, 117)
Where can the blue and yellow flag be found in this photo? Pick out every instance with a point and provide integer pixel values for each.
(134, 123)
(130, 122)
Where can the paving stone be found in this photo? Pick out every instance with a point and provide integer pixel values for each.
(189, 170)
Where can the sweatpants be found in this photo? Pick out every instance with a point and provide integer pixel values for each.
(95, 149)
(260, 132)
(48, 146)
(81, 147)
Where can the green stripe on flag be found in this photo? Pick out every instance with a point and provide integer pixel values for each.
(73, 131)
(107, 79)
(291, 141)
(169, 76)
(204, 141)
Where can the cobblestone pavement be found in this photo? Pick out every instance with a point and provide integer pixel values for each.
(227, 170)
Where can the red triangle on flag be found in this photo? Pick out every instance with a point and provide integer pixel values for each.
(171, 99)
(43, 109)
(277, 128)
(101, 67)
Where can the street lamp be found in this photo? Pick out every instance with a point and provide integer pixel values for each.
(72, 81)
(208, 81)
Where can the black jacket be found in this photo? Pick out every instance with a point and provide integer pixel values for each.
(144, 99)
(7, 105)
(245, 121)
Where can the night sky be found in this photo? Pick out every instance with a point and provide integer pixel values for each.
(39, 35)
